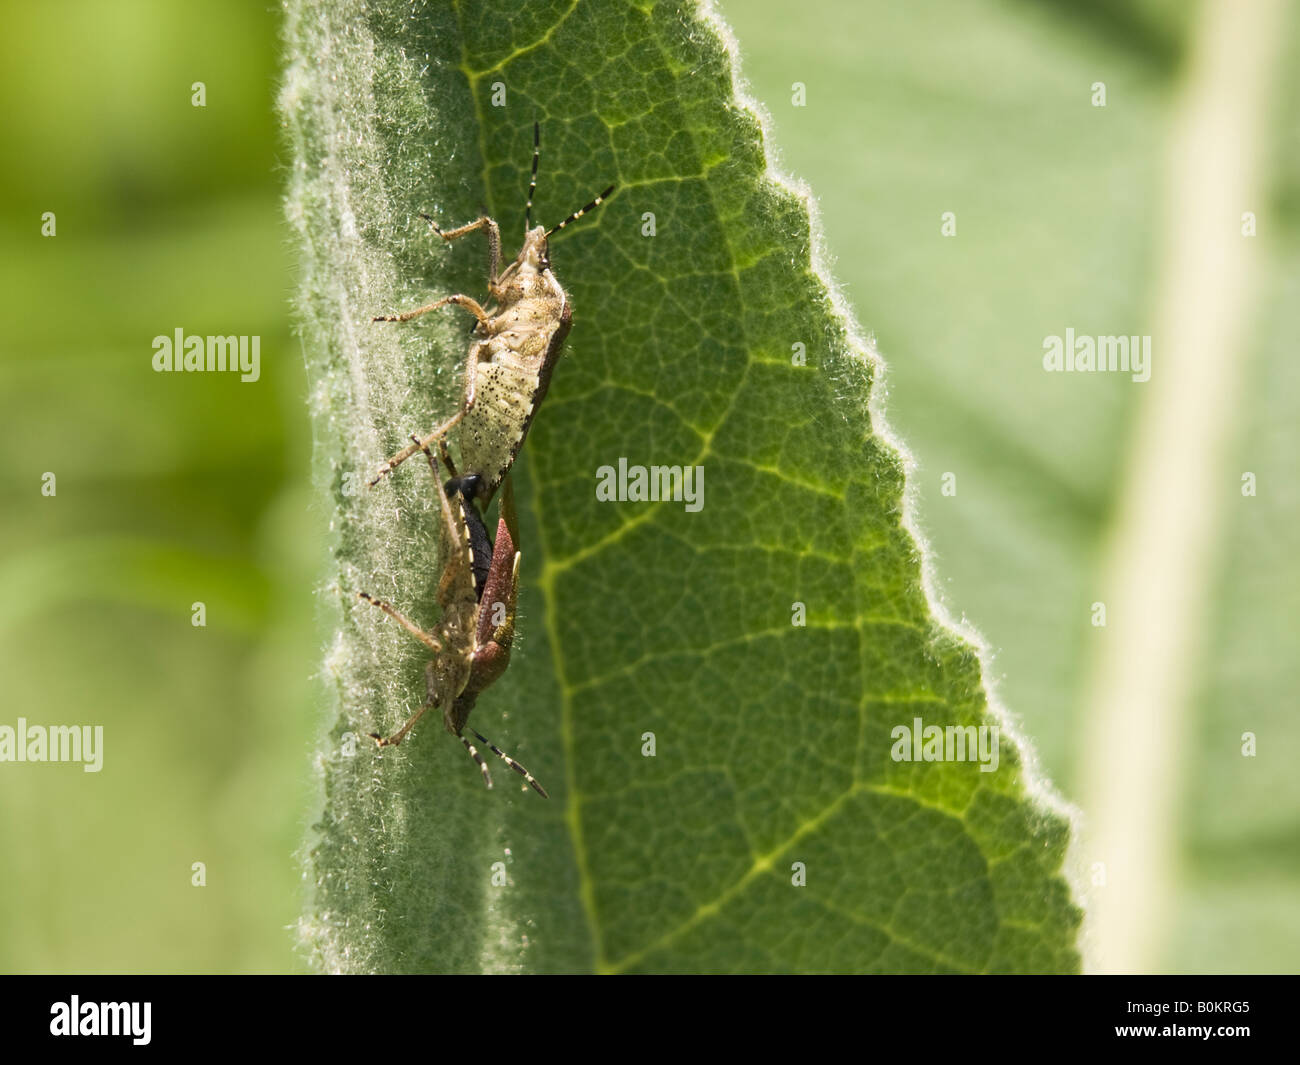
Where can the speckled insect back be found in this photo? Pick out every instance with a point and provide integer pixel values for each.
(514, 349)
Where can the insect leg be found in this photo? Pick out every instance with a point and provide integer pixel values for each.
(464, 489)
(445, 455)
(468, 302)
(471, 388)
(425, 638)
(400, 734)
(493, 239)
(434, 685)
(528, 777)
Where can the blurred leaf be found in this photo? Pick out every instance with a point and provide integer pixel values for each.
(773, 740)
(139, 573)
(170, 489)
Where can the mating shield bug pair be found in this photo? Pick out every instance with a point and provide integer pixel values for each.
(515, 345)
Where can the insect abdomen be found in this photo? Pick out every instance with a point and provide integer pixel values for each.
(508, 390)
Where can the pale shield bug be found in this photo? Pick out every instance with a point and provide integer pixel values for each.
(514, 348)
(478, 593)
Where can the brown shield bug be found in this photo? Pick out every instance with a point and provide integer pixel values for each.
(478, 594)
(514, 347)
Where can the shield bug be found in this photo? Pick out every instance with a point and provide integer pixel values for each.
(478, 593)
(514, 348)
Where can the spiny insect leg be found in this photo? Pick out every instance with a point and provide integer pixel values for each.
(511, 763)
(473, 753)
(463, 488)
(420, 445)
(466, 487)
(440, 433)
(446, 457)
(433, 466)
(460, 300)
(493, 239)
(400, 734)
(425, 638)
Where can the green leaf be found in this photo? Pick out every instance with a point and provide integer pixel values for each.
(772, 761)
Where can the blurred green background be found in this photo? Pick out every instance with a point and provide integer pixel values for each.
(176, 488)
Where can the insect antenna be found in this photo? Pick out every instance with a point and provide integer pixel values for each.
(508, 761)
(478, 758)
(532, 184)
(578, 214)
